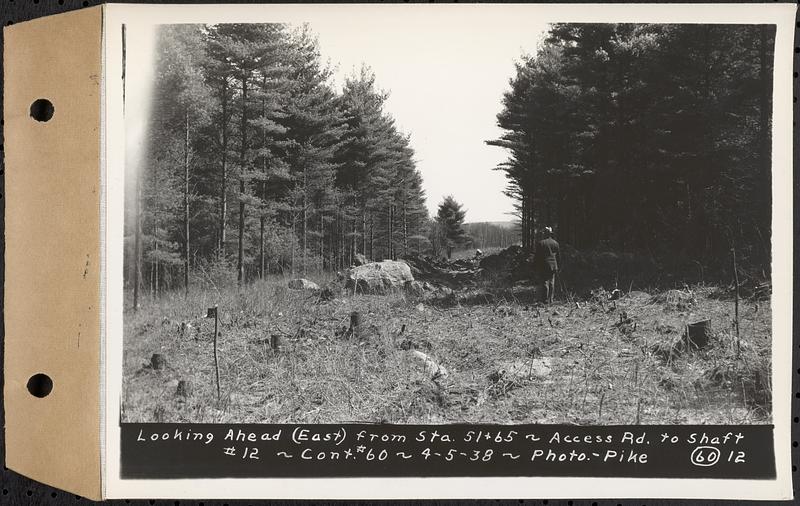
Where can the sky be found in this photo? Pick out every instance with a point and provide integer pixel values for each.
(446, 83)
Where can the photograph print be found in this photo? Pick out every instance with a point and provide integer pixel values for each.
(541, 223)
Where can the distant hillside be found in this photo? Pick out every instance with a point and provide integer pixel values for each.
(501, 224)
(495, 234)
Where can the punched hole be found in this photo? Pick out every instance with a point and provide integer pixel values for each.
(42, 109)
(40, 385)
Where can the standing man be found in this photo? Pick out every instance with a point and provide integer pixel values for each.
(546, 260)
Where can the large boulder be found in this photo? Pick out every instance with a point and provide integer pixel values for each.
(303, 284)
(379, 277)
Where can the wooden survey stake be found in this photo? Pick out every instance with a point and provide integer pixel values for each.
(214, 313)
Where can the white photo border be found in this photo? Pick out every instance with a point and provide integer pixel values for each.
(781, 15)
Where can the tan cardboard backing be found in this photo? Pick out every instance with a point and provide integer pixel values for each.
(52, 288)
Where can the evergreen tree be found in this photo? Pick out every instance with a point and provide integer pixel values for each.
(181, 100)
(450, 220)
(246, 113)
(377, 169)
(644, 138)
(316, 124)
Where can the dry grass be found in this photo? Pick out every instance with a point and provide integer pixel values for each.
(601, 371)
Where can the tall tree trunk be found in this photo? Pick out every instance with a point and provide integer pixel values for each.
(405, 229)
(371, 238)
(242, 162)
(336, 254)
(589, 215)
(137, 227)
(263, 182)
(154, 282)
(524, 220)
(137, 243)
(364, 231)
(261, 249)
(336, 259)
(223, 191)
(530, 231)
(154, 273)
(389, 232)
(531, 220)
(322, 240)
(354, 247)
(305, 219)
(764, 135)
(763, 105)
(186, 204)
(700, 226)
(344, 246)
(293, 239)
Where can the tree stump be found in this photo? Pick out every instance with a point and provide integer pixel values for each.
(185, 388)
(355, 324)
(158, 362)
(159, 414)
(698, 333)
(275, 342)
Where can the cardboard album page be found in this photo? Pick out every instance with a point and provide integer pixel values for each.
(401, 251)
(52, 103)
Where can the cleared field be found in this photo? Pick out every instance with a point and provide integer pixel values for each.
(590, 362)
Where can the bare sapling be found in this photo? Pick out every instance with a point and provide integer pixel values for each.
(213, 311)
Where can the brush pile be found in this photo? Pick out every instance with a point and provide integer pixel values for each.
(456, 275)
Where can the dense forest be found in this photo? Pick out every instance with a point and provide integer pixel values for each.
(255, 164)
(645, 139)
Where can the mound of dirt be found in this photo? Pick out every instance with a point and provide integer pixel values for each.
(503, 268)
(456, 275)
(509, 265)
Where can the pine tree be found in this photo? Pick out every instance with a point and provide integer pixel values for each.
(248, 52)
(581, 125)
(246, 113)
(316, 124)
(181, 99)
(377, 168)
(450, 219)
